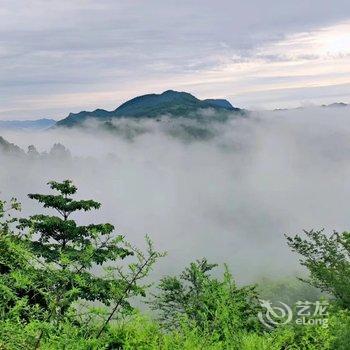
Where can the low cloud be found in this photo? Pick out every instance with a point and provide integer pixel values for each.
(230, 197)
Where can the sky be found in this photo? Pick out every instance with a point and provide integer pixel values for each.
(58, 57)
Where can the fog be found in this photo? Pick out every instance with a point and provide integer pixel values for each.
(229, 196)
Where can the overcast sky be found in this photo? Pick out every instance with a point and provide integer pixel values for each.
(65, 56)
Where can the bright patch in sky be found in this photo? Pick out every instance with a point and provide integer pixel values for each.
(307, 61)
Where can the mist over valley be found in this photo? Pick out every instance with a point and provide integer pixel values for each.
(227, 189)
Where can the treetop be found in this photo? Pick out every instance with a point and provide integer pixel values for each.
(66, 187)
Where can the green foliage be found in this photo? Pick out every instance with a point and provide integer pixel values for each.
(67, 251)
(15, 265)
(49, 267)
(5, 214)
(53, 271)
(206, 302)
(328, 260)
(340, 322)
(141, 332)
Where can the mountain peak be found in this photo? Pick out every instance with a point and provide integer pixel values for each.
(169, 102)
(10, 148)
(220, 103)
(170, 92)
(176, 93)
(336, 105)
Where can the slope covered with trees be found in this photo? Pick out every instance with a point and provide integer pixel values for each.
(174, 103)
(69, 286)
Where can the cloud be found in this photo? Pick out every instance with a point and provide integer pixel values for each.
(230, 198)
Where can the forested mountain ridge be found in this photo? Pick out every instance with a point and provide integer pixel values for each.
(174, 103)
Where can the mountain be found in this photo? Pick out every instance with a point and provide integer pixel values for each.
(170, 102)
(220, 103)
(39, 124)
(336, 105)
(332, 105)
(10, 148)
(57, 151)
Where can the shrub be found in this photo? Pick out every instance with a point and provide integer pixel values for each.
(217, 306)
(328, 260)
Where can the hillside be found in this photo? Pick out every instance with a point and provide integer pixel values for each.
(10, 148)
(170, 102)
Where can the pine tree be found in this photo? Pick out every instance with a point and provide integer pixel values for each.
(67, 252)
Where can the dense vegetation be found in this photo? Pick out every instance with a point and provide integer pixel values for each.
(170, 102)
(70, 286)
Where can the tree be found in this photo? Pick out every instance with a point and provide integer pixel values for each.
(210, 303)
(52, 265)
(71, 258)
(5, 213)
(33, 152)
(328, 260)
(6, 253)
(59, 151)
(16, 286)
